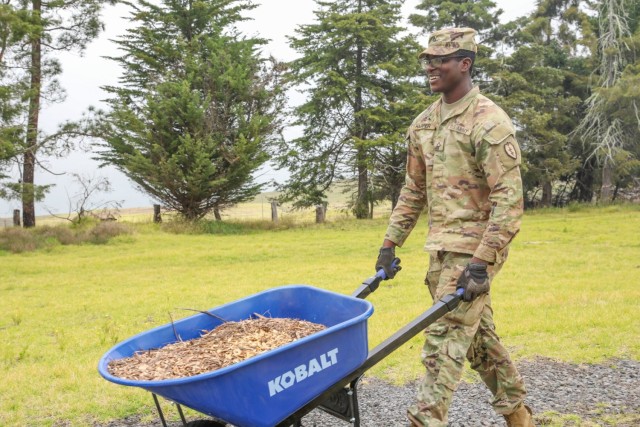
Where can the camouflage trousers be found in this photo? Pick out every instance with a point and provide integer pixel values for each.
(467, 332)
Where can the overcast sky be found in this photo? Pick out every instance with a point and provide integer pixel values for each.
(83, 76)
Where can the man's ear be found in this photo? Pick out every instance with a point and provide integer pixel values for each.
(466, 64)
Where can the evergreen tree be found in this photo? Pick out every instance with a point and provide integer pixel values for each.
(32, 32)
(11, 31)
(196, 106)
(390, 156)
(481, 15)
(356, 69)
(610, 128)
(542, 84)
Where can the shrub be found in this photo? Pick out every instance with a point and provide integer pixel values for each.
(220, 227)
(574, 206)
(105, 231)
(18, 240)
(61, 233)
(180, 226)
(204, 226)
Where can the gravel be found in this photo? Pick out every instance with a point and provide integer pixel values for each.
(596, 393)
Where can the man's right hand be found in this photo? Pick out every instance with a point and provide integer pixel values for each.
(386, 259)
(474, 280)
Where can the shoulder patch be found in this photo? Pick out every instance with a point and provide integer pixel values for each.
(499, 133)
(488, 125)
(511, 151)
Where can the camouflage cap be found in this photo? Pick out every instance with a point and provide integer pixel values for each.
(450, 40)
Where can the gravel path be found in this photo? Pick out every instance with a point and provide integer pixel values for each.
(596, 395)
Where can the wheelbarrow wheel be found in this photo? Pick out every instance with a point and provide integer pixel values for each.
(206, 423)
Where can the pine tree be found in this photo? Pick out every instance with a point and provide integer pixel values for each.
(355, 65)
(542, 84)
(196, 107)
(481, 15)
(610, 128)
(12, 29)
(32, 33)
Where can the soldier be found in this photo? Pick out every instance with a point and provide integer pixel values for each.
(463, 166)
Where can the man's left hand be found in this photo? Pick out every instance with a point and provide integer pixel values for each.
(474, 280)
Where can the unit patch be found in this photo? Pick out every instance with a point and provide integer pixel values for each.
(511, 150)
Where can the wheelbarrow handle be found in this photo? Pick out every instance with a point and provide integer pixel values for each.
(370, 284)
(395, 265)
(441, 307)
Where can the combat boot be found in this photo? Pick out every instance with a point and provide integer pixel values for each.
(522, 417)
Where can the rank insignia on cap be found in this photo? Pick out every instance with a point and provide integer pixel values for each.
(510, 150)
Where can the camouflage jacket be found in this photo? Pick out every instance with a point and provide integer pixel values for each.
(466, 172)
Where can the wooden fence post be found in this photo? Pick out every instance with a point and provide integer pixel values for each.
(156, 214)
(274, 211)
(16, 217)
(320, 214)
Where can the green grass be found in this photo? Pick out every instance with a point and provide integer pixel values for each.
(597, 418)
(569, 291)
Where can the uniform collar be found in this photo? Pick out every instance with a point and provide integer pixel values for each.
(462, 104)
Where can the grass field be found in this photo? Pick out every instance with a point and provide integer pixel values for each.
(569, 291)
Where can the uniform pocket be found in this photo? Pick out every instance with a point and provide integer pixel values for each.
(435, 336)
(433, 274)
(450, 371)
(467, 313)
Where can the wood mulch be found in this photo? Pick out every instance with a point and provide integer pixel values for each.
(229, 343)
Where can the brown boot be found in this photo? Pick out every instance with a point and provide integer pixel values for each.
(413, 422)
(522, 417)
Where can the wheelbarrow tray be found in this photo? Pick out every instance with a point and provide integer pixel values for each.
(265, 389)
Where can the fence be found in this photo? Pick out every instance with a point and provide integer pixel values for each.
(254, 211)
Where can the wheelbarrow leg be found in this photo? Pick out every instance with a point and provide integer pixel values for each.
(355, 407)
(160, 413)
(184, 420)
(343, 403)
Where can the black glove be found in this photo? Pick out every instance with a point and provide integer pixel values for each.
(386, 260)
(474, 280)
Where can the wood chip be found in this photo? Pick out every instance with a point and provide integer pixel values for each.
(229, 343)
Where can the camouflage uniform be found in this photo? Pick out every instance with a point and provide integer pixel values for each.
(465, 171)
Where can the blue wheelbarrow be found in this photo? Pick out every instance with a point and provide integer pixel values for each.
(281, 386)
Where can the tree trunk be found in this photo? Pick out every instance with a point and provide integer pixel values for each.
(361, 208)
(216, 214)
(395, 195)
(16, 217)
(274, 212)
(157, 217)
(615, 193)
(547, 194)
(583, 190)
(29, 158)
(606, 191)
(371, 204)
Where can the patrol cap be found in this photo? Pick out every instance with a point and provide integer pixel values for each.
(450, 40)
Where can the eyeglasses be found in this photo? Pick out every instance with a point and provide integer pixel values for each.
(437, 61)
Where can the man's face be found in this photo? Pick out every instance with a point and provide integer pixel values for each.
(445, 73)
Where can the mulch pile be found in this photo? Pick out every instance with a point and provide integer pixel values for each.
(229, 343)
